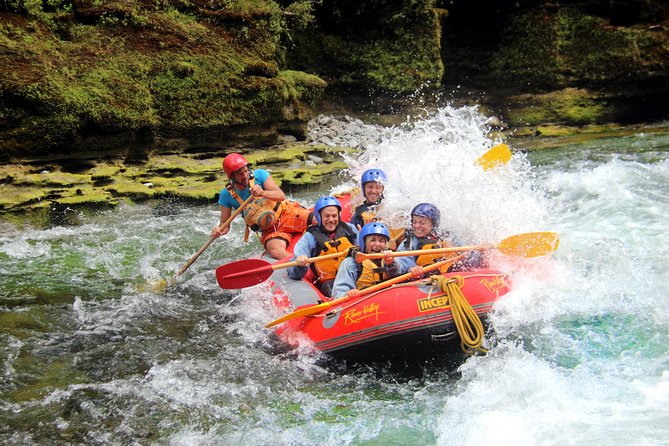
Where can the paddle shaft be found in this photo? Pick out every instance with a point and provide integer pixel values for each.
(276, 266)
(224, 225)
(327, 305)
(529, 244)
(417, 252)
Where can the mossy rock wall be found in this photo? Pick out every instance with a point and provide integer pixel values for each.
(397, 53)
(125, 76)
(572, 63)
(44, 192)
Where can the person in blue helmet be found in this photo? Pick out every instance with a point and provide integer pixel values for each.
(353, 277)
(373, 183)
(424, 234)
(329, 236)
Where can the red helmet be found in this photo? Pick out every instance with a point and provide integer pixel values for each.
(233, 163)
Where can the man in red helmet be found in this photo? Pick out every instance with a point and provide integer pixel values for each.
(276, 218)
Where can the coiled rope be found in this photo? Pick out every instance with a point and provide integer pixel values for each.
(467, 322)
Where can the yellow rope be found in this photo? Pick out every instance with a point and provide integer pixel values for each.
(467, 322)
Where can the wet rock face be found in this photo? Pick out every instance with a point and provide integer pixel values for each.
(42, 189)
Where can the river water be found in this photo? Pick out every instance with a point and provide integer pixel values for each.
(93, 353)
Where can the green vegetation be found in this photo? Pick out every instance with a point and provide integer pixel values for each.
(399, 52)
(146, 97)
(568, 47)
(126, 70)
(32, 189)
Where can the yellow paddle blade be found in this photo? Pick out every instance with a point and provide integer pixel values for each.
(300, 313)
(529, 244)
(499, 154)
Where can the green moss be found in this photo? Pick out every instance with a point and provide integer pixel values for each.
(181, 164)
(199, 192)
(86, 195)
(147, 67)
(124, 187)
(53, 179)
(554, 130)
(546, 50)
(163, 184)
(304, 87)
(407, 62)
(404, 58)
(24, 217)
(12, 197)
(103, 172)
(570, 106)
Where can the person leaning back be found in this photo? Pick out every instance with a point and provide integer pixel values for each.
(330, 236)
(278, 220)
(425, 234)
(352, 277)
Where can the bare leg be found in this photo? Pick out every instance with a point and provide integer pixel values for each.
(276, 248)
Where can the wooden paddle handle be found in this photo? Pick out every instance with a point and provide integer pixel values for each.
(308, 311)
(241, 207)
(400, 278)
(225, 224)
(417, 252)
(309, 260)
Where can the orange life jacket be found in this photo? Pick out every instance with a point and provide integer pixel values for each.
(261, 214)
(371, 272)
(366, 213)
(341, 241)
(428, 242)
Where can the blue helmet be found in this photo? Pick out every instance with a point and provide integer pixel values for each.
(371, 228)
(428, 210)
(324, 202)
(373, 175)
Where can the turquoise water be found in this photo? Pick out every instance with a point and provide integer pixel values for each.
(93, 353)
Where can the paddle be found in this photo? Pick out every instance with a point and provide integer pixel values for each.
(163, 283)
(499, 154)
(246, 273)
(530, 244)
(332, 303)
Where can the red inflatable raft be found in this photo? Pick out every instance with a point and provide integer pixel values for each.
(426, 320)
(407, 322)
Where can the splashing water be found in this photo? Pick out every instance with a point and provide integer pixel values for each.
(581, 353)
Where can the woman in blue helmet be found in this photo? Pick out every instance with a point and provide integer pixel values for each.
(331, 235)
(424, 233)
(353, 277)
(373, 183)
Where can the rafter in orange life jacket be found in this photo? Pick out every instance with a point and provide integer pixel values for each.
(261, 214)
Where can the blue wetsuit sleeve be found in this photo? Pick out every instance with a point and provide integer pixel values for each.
(226, 200)
(353, 227)
(260, 176)
(304, 247)
(347, 275)
(404, 264)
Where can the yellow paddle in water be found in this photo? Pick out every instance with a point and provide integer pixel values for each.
(499, 154)
(531, 244)
(162, 284)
